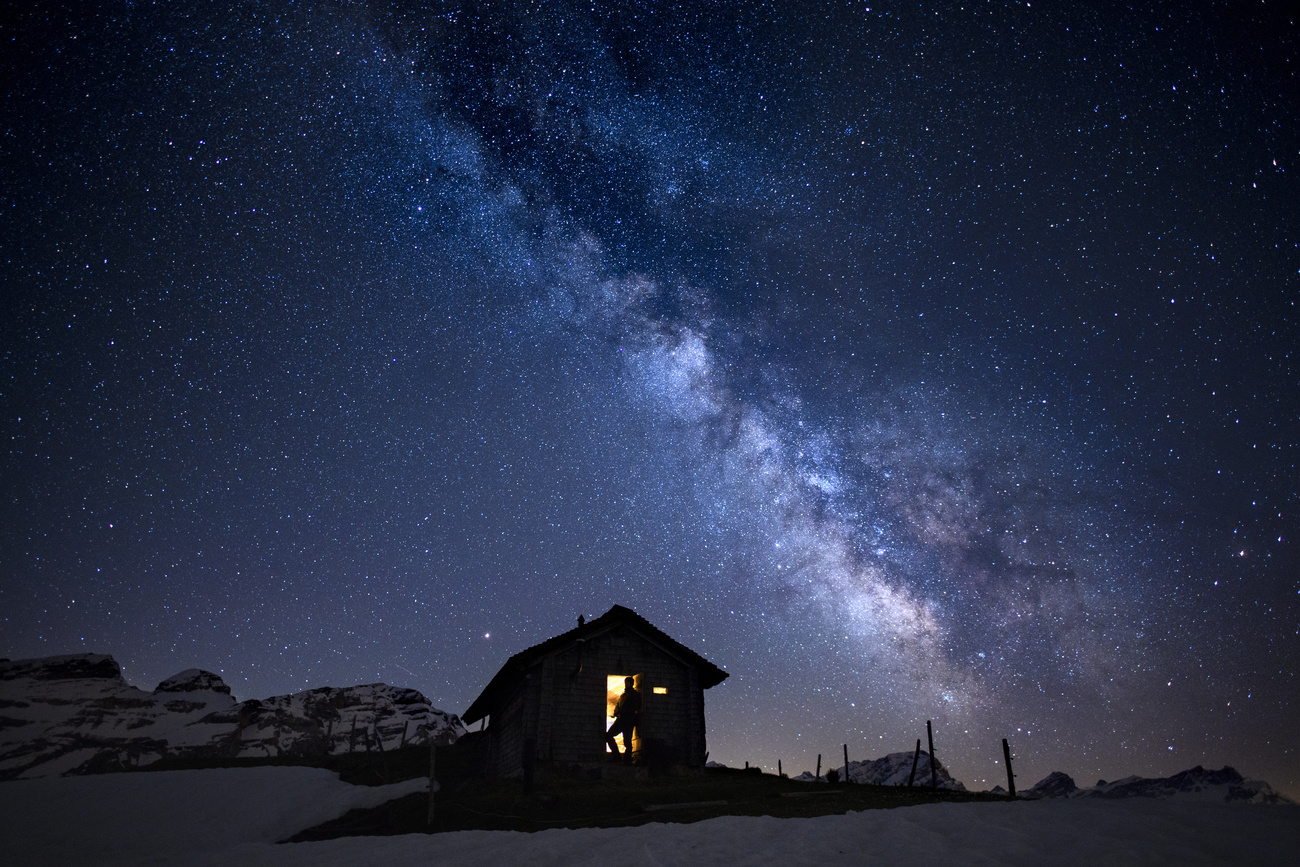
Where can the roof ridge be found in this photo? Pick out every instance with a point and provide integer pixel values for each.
(712, 674)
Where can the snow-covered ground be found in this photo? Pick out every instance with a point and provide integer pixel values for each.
(171, 816)
(234, 816)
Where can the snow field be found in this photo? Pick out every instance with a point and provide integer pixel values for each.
(233, 816)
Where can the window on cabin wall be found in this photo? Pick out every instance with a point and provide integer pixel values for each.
(614, 686)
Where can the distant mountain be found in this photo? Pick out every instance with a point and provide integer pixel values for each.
(1224, 785)
(894, 770)
(77, 715)
(1054, 785)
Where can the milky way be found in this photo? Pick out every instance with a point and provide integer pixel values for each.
(909, 362)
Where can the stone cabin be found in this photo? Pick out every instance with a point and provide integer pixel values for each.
(553, 702)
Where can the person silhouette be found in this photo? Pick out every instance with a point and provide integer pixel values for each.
(627, 713)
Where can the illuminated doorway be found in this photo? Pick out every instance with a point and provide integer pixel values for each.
(614, 687)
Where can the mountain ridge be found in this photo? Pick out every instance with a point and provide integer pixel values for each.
(1226, 785)
(76, 714)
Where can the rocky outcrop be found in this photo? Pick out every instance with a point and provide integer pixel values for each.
(1054, 785)
(1223, 785)
(77, 714)
(193, 680)
(894, 770)
(1197, 783)
(78, 666)
(351, 719)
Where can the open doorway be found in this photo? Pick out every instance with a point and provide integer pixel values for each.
(615, 687)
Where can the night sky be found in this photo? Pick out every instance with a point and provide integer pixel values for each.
(907, 361)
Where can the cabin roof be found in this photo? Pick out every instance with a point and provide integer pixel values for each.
(710, 675)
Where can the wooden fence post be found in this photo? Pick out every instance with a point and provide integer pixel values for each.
(846, 763)
(818, 775)
(1011, 778)
(934, 774)
(916, 757)
(433, 777)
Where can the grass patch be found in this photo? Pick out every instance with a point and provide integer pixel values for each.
(567, 798)
(577, 800)
(359, 769)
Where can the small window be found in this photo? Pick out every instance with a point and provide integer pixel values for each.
(661, 690)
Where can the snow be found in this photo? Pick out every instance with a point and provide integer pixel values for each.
(234, 816)
(173, 815)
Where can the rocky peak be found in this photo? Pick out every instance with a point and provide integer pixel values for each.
(1054, 785)
(895, 769)
(77, 714)
(76, 666)
(1197, 783)
(193, 680)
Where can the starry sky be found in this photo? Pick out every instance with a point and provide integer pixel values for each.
(909, 361)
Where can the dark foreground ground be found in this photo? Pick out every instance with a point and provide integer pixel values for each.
(572, 798)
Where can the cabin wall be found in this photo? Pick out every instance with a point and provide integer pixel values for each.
(514, 723)
(577, 718)
(559, 704)
(576, 724)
